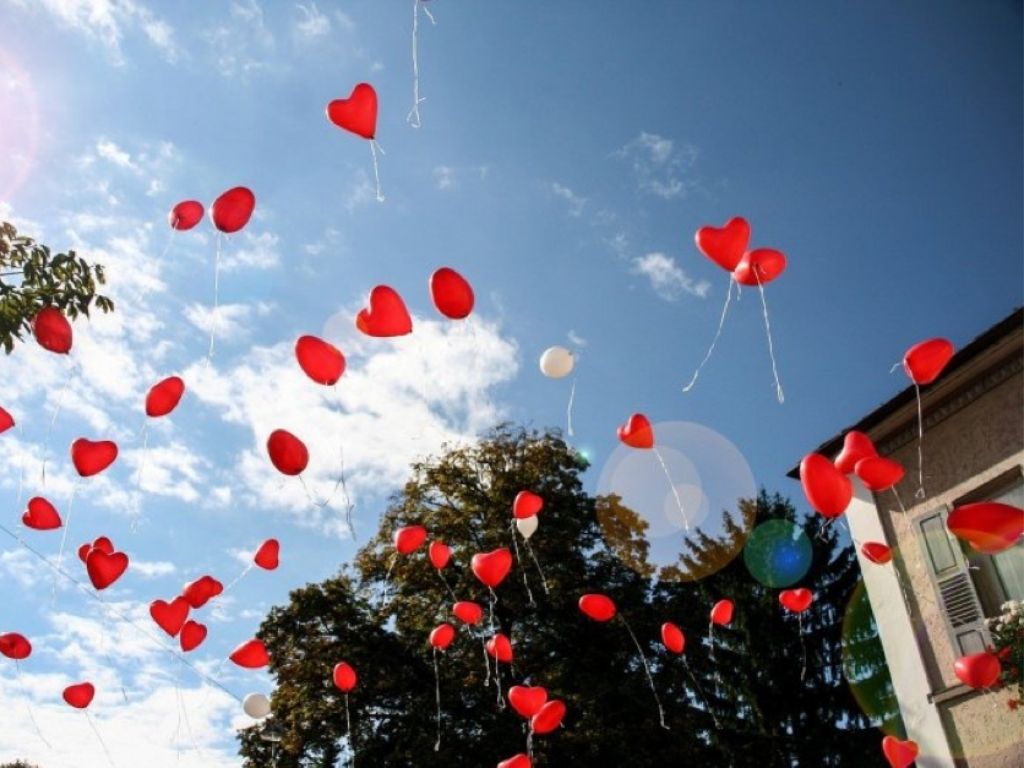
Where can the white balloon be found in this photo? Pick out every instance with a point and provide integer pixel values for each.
(256, 706)
(527, 526)
(556, 362)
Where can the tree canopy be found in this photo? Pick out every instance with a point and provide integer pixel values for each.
(747, 705)
(32, 278)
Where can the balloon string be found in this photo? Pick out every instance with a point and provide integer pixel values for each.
(492, 600)
(104, 649)
(529, 742)
(64, 535)
(568, 408)
(374, 146)
(672, 485)
(413, 118)
(711, 640)
(647, 670)
(28, 709)
(446, 585)
(771, 347)
(437, 696)
(137, 515)
(500, 702)
(21, 479)
(387, 581)
(216, 300)
(803, 645)
(175, 737)
(144, 292)
(543, 579)
(519, 561)
(700, 692)
(188, 725)
(120, 615)
(103, 744)
(53, 420)
(487, 663)
(348, 730)
(239, 577)
(714, 342)
(920, 445)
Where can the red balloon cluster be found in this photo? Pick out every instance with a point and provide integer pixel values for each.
(978, 670)
(722, 612)
(727, 247)
(989, 527)
(386, 315)
(103, 564)
(356, 114)
(252, 654)
(15, 646)
(185, 215)
(6, 420)
(233, 209)
(320, 360)
(597, 607)
(52, 331)
(637, 432)
(491, 568)
(526, 504)
(672, 638)
(796, 600)
(41, 515)
(877, 552)
(409, 538)
(899, 753)
(164, 397)
(345, 678)
(827, 489)
(288, 453)
(92, 457)
(924, 362)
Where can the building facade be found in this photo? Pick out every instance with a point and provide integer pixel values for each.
(937, 599)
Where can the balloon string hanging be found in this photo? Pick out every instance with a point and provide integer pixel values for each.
(919, 494)
(119, 614)
(568, 408)
(771, 347)
(700, 692)
(137, 512)
(239, 577)
(647, 671)
(374, 148)
(672, 485)
(487, 662)
(446, 585)
(543, 579)
(28, 710)
(64, 536)
(519, 561)
(53, 420)
(714, 342)
(492, 601)
(437, 696)
(384, 598)
(348, 731)
(216, 299)
(413, 117)
(144, 291)
(99, 738)
(711, 640)
(803, 646)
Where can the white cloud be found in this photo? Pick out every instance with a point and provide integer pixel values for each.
(667, 278)
(243, 44)
(575, 202)
(226, 319)
(152, 570)
(360, 191)
(660, 167)
(399, 399)
(254, 252)
(108, 22)
(108, 150)
(444, 177)
(313, 23)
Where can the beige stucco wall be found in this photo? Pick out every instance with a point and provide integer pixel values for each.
(974, 444)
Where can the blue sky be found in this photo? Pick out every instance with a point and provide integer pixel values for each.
(568, 153)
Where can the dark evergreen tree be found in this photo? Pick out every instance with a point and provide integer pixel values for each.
(378, 616)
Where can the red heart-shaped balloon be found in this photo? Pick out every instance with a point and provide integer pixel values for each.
(500, 648)
(79, 696)
(724, 245)
(386, 315)
(760, 266)
(452, 294)
(15, 646)
(796, 600)
(345, 677)
(52, 330)
(288, 454)
(6, 421)
(900, 754)
(201, 591)
(989, 526)
(104, 569)
(185, 215)
(978, 670)
(90, 458)
(357, 113)
(856, 446)
(232, 210)
(924, 362)
(721, 612)
(320, 360)
(102, 543)
(517, 761)
(672, 637)
(637, 432)
(251, 654)
(548, 718)
(879, 473)
(41, 515)
(468, 612)
(491, 568)
(526, 504)
(877, 552)
(827, 489)
(527, 699)
(597, 607)
(193, 634)
(440, 554)
(267, 556)
(409, 538)
(169, 616)
(164, 396)
(442, 636)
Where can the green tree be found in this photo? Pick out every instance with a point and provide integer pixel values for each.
(32, 278)
(378, 614)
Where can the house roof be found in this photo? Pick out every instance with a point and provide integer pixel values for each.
(962, 358)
